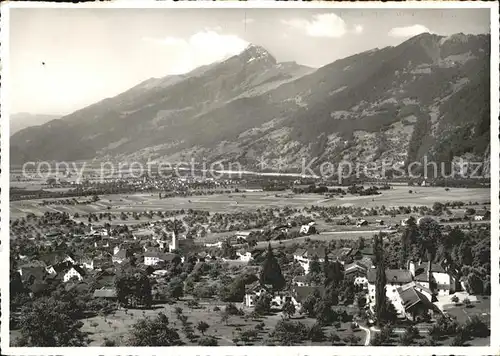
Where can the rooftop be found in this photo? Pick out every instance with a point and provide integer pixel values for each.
(392, 275)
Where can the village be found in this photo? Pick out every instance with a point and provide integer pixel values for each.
(284, 270)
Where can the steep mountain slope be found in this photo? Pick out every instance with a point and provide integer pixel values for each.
(23, 120)
(427, 96)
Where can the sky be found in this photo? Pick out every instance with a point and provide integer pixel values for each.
(62, 60)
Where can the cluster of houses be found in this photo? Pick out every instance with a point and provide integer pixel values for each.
(413, 291)
(60, 267)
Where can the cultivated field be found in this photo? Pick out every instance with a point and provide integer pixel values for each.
(399, 196)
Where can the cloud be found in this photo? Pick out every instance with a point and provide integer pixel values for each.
(358, 29)
(408, 31)
(321, 25)
(201, 48)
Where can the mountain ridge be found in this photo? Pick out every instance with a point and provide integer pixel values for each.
(393, 103)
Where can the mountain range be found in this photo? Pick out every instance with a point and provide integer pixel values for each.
(430, 95)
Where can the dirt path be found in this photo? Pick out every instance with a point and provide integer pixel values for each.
(368, 335)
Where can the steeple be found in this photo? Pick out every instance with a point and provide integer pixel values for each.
(173, 244)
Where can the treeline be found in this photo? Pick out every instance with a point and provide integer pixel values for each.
(353, 189)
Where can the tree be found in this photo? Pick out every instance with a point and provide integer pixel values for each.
(175, 288)
(271, 271)
(133, 288)
(263, 304)
(47, 323)
(380, 281)
(225, 317)
(248, 335)
(235, 291)
(461, 337)
(202, 327)
(470, 211)
(430, 235)
(361, 243)
(334, 273)
(228, 251)
(474, 284)
(323, 312)
(467, 302)
(154, 332)
(288, 333)
(309, 305)
(437, 208)
(289, 309)
(314, 266)
(407, 238)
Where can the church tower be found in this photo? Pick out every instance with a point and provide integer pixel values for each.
(173, 244)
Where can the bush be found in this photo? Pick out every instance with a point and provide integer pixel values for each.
(288, 333)
(475, 327)
(208, 341)
(109, 343)
(334, 338)
(352, 339)
(316, 333)
(231, 309)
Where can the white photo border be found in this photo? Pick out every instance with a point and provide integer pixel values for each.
(493, 349)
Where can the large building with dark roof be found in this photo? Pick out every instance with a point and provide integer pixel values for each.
(395, 279)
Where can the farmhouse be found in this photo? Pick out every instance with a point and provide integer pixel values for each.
(87, 263)
(214, 244)
(105, 293)
(69, 271)
(121, 254)
(361, 222)
(255, 290)
(98, 231)
(105, 278)
(304, 257)
(244, 256)
(395, 279)
(300, 281)
(405, 222)
(56, 257)
(343, 255)
(442, 280)
(242, 235)
(357, 272)
(308, 229)
(155, 258)
(412, 303)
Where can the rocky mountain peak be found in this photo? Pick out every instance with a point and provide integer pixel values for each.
(257, 53)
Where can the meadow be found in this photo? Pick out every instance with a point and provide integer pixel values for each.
(398, 196)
